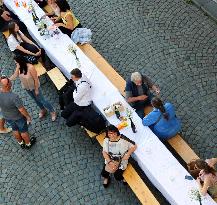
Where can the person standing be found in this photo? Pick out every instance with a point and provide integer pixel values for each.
(15, 114)
(30, 82)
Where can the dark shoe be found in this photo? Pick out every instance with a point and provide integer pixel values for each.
(107, 184)
(32, 142)
(124, 182)
(23, 146)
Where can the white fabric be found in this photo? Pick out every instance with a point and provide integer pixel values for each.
(81, 35)
(12, 42)
(82, 93)
(160, 166)
(117, 149)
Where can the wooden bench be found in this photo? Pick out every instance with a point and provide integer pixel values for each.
(133, 179)
(40, 69)
(57, 78)
(178, 144)
(6, 34)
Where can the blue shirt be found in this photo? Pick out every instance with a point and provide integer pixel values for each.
(164, 129)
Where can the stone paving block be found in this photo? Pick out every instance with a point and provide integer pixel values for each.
(173, 43)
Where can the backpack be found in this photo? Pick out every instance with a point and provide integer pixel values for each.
(66, 94)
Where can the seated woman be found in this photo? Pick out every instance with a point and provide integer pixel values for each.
(116, 151)
(21, 45)
(162, 120)
(207, 179)
(55, 9)
(30, 82)
(69, 22)
(195, 171)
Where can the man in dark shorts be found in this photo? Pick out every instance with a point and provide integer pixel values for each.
(15, 114)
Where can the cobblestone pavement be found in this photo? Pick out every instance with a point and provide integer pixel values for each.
(172, 42)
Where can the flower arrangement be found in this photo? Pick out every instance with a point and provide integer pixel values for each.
(42, 27)
(129, 113)
(73, 50)
(195, 195)
(129, 116)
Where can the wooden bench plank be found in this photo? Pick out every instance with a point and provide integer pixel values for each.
(138, 186)
(182, 148)
(57, 77)
(6, 34)
(40, 69)
(104, 66)
(133, 179)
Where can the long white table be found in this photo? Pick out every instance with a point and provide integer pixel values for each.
(154, 159)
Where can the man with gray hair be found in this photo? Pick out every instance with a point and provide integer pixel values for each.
(138, 93)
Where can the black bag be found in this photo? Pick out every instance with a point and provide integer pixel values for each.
(88, 118)
(66, 94)
(32, 48)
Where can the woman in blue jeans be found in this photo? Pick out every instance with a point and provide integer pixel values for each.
(162, 120)
(30, 82)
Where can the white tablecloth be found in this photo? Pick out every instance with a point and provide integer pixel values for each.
(155, 160)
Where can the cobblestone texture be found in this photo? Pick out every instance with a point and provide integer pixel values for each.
(172, 42)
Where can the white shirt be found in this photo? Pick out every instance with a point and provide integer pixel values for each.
(12, 41)
(118, 149)
(82, 93)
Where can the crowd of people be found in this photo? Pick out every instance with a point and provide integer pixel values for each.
(140, 92)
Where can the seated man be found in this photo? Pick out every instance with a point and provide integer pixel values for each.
(138, 93)
(81, 95)
(6, 17)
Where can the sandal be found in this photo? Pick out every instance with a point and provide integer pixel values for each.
(53, 116)
(42, 113)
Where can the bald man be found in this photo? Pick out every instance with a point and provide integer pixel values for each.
(15, 114)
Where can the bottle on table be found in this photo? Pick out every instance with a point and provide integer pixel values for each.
(133, 127)
(117, 112)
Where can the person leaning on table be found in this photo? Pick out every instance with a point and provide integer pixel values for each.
(138, 93)
(69, 21)
(116, 147)
(195, 171)
(207, 180)
(162, 120)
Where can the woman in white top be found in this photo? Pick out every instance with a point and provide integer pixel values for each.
(20, 44)
(117, 149)
(30, 82)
